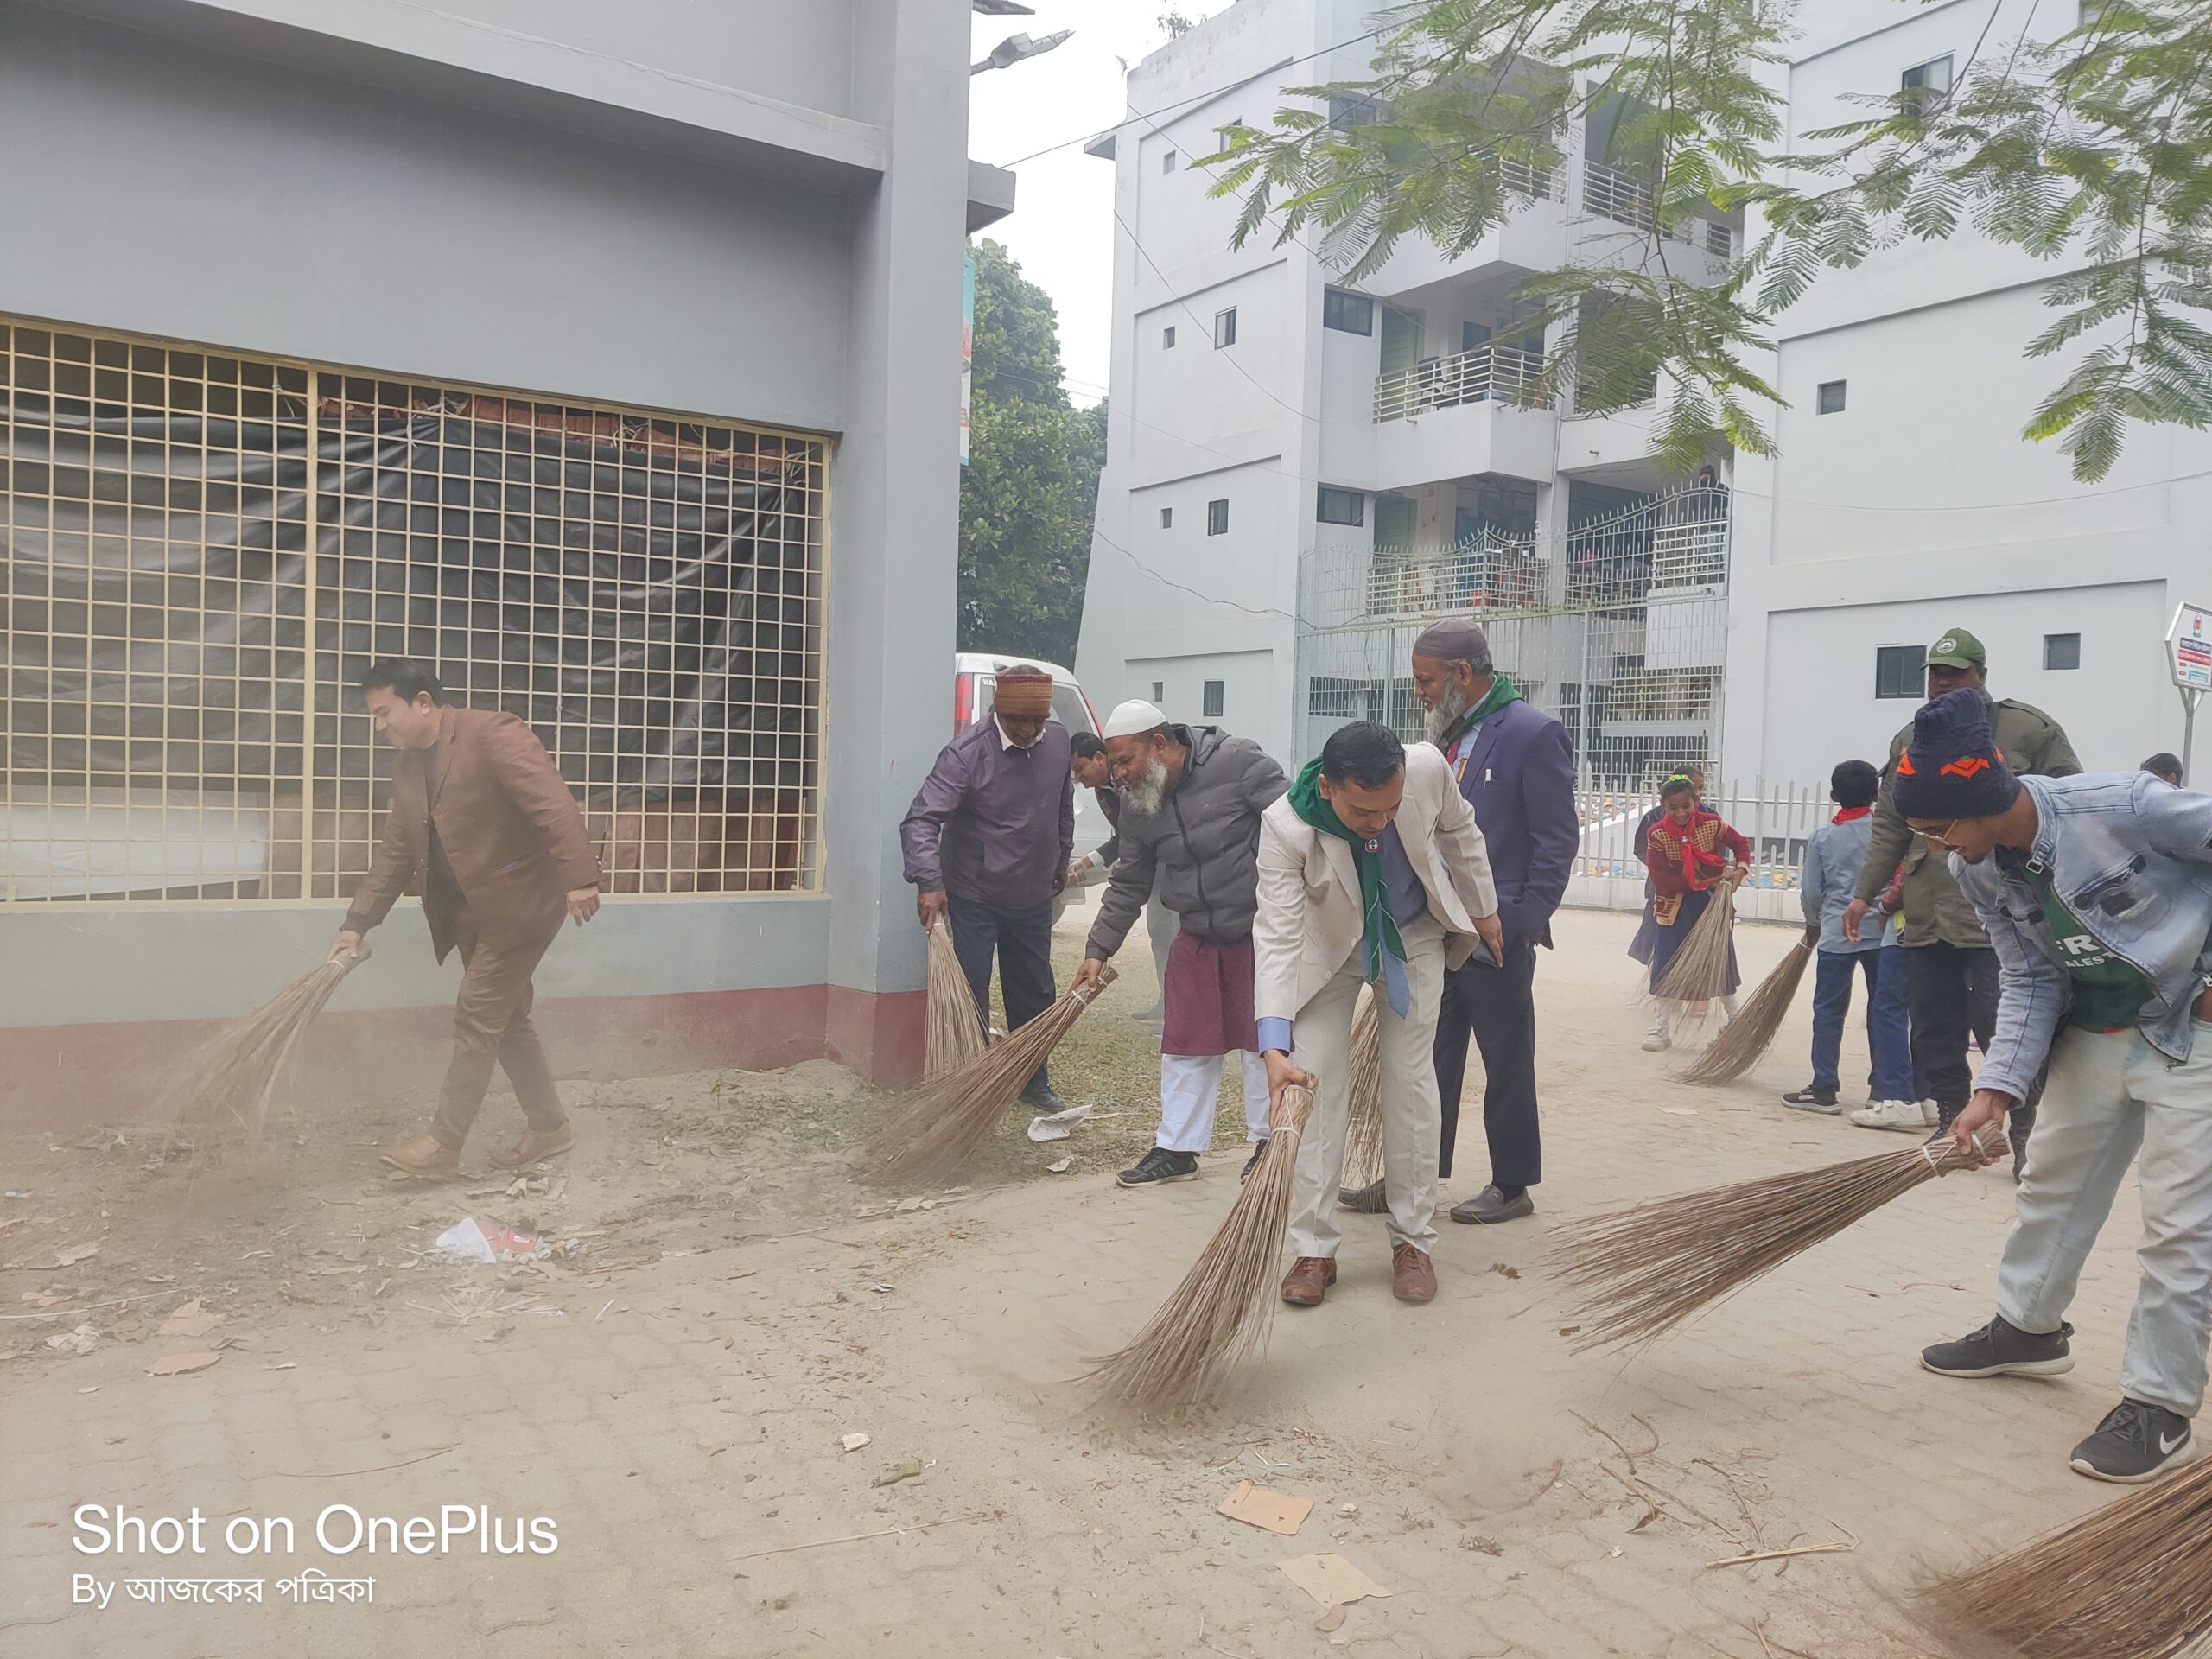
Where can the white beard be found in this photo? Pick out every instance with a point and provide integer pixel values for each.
(1147, 797)
(1446, 715)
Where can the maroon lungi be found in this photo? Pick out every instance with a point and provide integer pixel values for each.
(1208, 997)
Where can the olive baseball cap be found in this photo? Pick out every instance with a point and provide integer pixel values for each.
(1957, 649)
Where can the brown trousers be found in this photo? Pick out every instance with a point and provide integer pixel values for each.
(492, 1024)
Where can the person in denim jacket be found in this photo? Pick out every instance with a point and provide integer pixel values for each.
(2097, 894)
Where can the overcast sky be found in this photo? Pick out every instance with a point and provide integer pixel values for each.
(1062, 228)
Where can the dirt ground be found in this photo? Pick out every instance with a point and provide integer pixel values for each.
(672, 1391)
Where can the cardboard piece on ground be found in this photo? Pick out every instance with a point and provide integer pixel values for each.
(1256, 1506)
(1331, 1620)
(178, 1365)
(1331, 1580)
(190, 1320)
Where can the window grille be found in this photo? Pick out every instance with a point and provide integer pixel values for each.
(204, 547)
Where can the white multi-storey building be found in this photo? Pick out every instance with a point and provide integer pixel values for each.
(1300, 475)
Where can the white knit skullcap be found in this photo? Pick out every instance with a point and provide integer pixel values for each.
(1133, 719)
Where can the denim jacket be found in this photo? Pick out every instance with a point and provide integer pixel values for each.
(1829, 876)
(2132, 858)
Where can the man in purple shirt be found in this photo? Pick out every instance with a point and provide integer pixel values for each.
(986, 845)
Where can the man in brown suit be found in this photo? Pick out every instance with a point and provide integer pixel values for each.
(479, 809)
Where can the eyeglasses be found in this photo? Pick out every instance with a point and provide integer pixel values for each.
(1940, 834)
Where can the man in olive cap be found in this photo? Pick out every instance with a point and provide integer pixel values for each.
(1950, 972)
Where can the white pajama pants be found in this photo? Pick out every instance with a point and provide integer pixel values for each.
(2109, 1095)
(1189, 1086)
(1413, 1113)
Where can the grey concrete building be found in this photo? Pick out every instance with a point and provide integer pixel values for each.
(607, 355)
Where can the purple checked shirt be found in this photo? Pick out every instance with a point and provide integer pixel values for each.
(993, 824)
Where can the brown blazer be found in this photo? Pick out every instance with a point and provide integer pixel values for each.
(511, 829)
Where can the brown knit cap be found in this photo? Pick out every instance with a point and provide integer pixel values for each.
(1022, 691)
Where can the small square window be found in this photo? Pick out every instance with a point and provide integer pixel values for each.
(1901, 671)
(1925, 85)
(1340, 506)
(1217, 517)
(1167, 339)
(1351, 313)
(1225, 327)
(1168, 517)
(1217, 699)
(1158, 692)
(2061, 651)
(1831, 397)
(1167, 163)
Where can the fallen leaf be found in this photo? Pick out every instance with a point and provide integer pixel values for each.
(1330, 1579)
(1503, 1271)
(854, 1442)
(1569, 1330)
(1256, 1506)
(179, 1364)
(1331, 1620)
(910, 1469)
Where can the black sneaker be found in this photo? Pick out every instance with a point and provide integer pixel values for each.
(1253, 1162)
(2001, 1350)
(1041, 1097)
(2134, 1444)
(1160, 1165)
(1368, 1200)
(1810, 1099)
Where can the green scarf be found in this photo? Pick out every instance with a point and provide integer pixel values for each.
(1501, 691)
(1307, 801)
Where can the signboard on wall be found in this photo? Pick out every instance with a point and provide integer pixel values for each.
(967, 355)
(2189, 647)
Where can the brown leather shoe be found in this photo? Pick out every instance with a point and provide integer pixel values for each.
(1413, 1275)
(1308, 1281)
(535, 1147)
(420, 1154)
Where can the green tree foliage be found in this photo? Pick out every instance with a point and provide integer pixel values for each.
(1028, 494)
(2093, 152)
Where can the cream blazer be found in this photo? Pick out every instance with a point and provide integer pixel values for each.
(1310, 914)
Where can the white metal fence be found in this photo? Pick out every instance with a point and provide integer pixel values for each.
(1502, 374)
(1776, 819)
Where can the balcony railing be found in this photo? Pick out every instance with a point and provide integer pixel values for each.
(1500, 374)
(1494, 575)
(1535, 183)
(1611, 194)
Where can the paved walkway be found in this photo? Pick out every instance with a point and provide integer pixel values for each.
(679, 1422)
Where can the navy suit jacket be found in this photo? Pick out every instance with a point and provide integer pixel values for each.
(1519, 776)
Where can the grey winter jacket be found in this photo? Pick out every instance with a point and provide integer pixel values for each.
(1833, 856)
(1202, 844)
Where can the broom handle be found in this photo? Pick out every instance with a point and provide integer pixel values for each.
(1086, 995)
(1990, 1141)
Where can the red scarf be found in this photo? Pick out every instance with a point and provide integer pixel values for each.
(1700, 868)
(1850, 812)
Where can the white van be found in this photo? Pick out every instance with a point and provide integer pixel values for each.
(976, 674)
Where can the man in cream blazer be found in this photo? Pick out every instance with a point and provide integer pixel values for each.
(1370, 868)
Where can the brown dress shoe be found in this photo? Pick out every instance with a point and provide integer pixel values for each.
(420, 1154)
(1413, 1275)
(1308, 1281)
(535, 1147)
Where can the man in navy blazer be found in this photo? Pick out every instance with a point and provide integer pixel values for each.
(1516, 767)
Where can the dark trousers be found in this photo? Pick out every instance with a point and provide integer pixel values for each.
(1954, 996)
(492, 1025)
(1890, 1072)
(1498, 1007)
(1023, 940)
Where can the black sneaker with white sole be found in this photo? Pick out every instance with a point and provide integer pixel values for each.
(2002, 1350)
(1253, 1162)
(2138, 1442)
(1160, 1165)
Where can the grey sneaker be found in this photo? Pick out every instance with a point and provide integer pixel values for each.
(1160, 1165)
(2138, 1442)
(2002, 1350)
(1368, 1200)
(1491, 1204)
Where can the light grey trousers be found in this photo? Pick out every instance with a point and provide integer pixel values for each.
(1413, 1115)
(2109, 1095)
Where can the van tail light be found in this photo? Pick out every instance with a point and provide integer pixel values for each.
(963, 701)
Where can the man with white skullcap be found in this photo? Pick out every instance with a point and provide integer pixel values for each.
(1190, 819)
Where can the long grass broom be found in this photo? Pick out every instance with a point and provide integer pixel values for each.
(1647, 1267)
(945, 1121)
(224, 1087)
(1363, 1124)
(1220, 1313)
(2131, 1581)
(1698, 970)
(955, 1035)
(1744, 1039)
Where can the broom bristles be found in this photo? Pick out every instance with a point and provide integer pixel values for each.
(945, 1121)
(1698, 972)
(1649, 1267)
(1363, 1122)
(227, 1083)
(955, 1035)
(1220, 1313)
(2133, 1579)
(1744, 1039)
